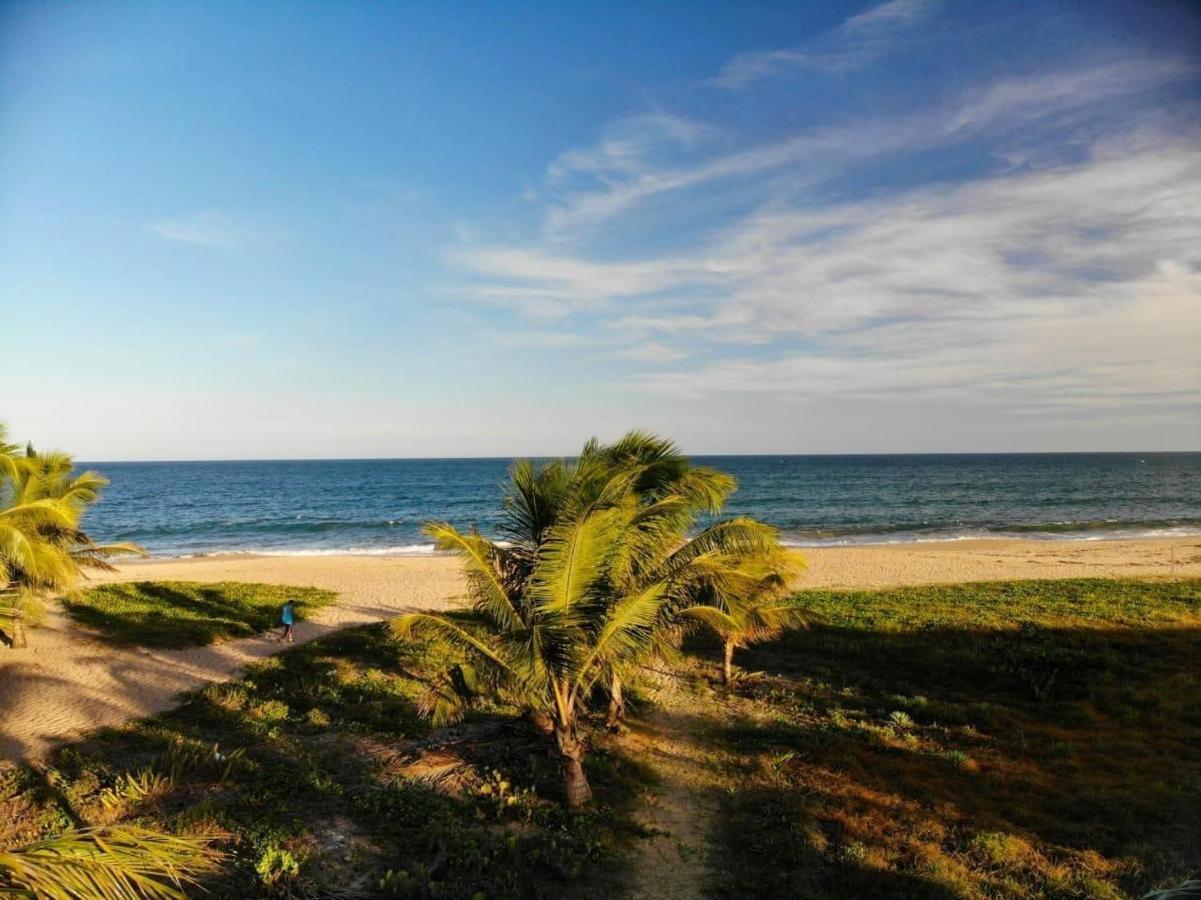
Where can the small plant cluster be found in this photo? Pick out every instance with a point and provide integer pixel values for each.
(500, 798)
(181, 759)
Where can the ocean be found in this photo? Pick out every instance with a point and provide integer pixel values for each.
(377, 507)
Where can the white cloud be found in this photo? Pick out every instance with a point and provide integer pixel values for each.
(1134, 343)
(544, 284)
(1073, 286)
(652, 352)
(855, 42)
(1059, 280)
(216, 230)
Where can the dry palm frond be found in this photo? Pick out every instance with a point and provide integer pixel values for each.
(118, 863)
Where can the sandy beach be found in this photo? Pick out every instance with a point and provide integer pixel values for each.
(67, 682)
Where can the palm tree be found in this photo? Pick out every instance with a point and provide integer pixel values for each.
(671, 491)
(117, 863)
(593, 560)
(43, 548)
(753, 607)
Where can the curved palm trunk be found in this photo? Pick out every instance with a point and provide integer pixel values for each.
(571, 759)
(727, 669)
(18, 631)
(542, 722)
(617, 705)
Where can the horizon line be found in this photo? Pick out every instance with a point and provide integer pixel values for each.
(510, 457)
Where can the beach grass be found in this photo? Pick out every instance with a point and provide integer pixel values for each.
(1024, 739)
(176, 614)
(1017, 739)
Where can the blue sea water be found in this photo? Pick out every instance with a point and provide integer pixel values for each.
(378, 506)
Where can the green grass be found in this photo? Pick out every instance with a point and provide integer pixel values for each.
(187, 614)
(318, 794)
(1036, 739)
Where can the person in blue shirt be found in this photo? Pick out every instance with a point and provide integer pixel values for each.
(288, 618)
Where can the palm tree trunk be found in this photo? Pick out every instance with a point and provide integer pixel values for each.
(617, 704)
(727, 669)
(571, 759)
(542, 721)
(18, 636)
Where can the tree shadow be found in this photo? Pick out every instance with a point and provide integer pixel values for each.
(199, 615)
(890, 752)
(323, 736)
(25, 729)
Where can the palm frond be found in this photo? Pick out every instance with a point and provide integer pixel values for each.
(626, 630)
(719, 621)
(571, 562)
(118, 863)
(418, 624)
(488, 573)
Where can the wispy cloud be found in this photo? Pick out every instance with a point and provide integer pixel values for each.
(855, 42)
(1068, 285)
(1134, 342)
(217, 230)
(652, 352)
(608, 344)
(621, 173)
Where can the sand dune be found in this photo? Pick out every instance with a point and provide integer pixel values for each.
(67, 682)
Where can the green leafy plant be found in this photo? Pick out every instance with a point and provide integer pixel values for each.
(277, 868)
(43, 547)
(135, 788)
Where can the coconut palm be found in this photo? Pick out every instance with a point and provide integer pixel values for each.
(594, 559)
(43, 548)
(651, 471)
(116, 863)
(751, 607)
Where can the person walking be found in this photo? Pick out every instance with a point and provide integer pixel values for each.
(288, 618)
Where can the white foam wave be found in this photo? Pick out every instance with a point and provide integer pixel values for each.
(870, 540)
(400, 550)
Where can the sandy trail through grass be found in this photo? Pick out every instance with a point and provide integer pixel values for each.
(68, 681)
(673, 862)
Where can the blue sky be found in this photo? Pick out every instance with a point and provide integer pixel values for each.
(360, 229)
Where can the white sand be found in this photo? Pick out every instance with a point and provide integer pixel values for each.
(67, 682)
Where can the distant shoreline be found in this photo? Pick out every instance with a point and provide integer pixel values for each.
(508, 457)
(966, 542)
(865, 565)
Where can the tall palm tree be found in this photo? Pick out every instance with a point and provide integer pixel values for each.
(593, 559)
(43, 547)
(116, 863)
(753, 607)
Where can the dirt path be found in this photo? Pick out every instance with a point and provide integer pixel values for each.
(67, 681)
(673, 863)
